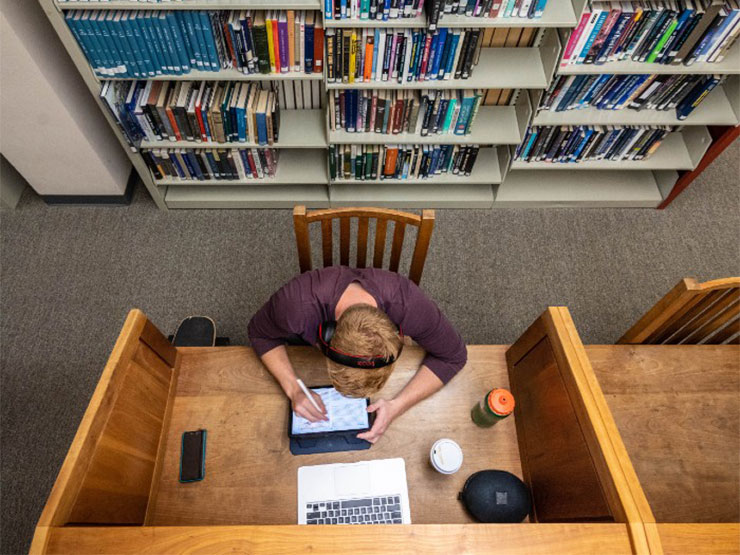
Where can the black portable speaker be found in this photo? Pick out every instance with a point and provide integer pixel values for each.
(496, 496)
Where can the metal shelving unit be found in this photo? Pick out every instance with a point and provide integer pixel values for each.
(302, 175)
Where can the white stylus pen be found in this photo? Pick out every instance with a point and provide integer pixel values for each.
(308, 394)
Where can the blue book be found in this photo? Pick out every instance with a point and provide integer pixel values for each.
(695, 96)
(451, 57)
(343, 9)
(181, 20)
(95, 32)
(118, 32)
(328, 9)
(80, 33)
(434, 161)
(180, 49)
(309, 49)
(191, 173)
(469, 7)
(630, 90)
(127, 34)
(194, 39)
(586, 136)
(262, 128)
(530, 142)
(509, 7)
(215, 170)
(144, 20)
(376, 42)
(134, 20)
(573, 89)
(208, 40)
(466, 108)
(176, 163)
(169, 43)
(591, 37)
(441, 114)
(110, 41)
(444, 53)
(539, 8)
(594, 89)
(386, 9)
(608, 100)
(438, 53)
(194, 162)
(159, 22)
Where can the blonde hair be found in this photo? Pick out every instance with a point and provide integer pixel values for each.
(363, 330)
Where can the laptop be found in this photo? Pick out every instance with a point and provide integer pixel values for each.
(368, 492)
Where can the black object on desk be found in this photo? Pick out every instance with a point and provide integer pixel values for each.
(496, 496)
(329, 444)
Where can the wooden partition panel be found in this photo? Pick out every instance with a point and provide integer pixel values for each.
(572, 456)
(109, 469)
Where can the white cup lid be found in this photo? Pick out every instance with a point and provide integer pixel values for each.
(447, 455)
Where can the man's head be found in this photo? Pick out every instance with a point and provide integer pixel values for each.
(363, 330)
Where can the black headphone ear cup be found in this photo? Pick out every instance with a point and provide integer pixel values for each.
(327, 331)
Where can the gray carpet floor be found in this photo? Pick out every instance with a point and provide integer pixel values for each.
(70, 274)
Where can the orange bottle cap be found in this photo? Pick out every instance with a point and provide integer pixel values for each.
(501, 402)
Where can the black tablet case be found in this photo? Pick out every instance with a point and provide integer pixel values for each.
(330, 444)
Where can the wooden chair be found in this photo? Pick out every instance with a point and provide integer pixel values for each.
(692, 313)
(425, 223)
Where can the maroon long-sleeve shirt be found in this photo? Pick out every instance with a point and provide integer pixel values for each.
(309, 299)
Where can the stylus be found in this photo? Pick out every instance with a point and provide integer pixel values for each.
(308, 394)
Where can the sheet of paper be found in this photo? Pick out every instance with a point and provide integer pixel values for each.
(344, 413)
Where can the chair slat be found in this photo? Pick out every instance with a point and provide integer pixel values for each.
(724, 334)
(422, 246)
(380, 228)
(692, 309)
(343, 241)
(696, 330)
(717, 322)
(326, 242)
(362, 225)
(398, 235)
(300, 225)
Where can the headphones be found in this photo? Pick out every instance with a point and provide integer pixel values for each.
(326, 332)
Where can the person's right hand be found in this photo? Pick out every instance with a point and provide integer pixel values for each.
(303, 407)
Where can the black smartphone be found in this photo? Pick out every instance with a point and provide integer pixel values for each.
(193, 456)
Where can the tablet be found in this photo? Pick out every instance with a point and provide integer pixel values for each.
(346, 415)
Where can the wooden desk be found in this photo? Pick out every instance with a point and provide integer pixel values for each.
(677, 408)
(251, 476)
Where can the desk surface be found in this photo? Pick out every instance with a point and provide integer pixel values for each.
(251, 476)
(682, 436)
(677, 408)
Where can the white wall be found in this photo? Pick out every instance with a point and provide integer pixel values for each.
(51, 129)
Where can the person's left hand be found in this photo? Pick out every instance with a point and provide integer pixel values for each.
(385, 412)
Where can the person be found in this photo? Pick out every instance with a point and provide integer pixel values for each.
(369, 312)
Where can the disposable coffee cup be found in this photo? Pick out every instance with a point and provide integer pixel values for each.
(446, 456)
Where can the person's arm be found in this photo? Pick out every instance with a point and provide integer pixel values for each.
(280, 317)
(278, 363)
(422, 385)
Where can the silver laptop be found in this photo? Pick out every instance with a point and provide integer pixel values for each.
(370, 492)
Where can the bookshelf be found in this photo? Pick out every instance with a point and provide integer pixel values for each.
(302, 175)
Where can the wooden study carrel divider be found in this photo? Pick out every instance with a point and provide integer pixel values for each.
(117, 490)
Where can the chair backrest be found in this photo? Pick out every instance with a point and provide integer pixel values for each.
(425, 223)
(692, 313)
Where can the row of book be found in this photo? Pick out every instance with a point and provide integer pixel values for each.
(207, 111)
(437, 9)
(662, 32)
(388, 112)
(636, 92)
(213, 164)
(376, 10)
(141, 44)
(583, 143)
(373, 162)
(400, 55)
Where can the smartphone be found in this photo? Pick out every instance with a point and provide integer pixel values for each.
(193, 456)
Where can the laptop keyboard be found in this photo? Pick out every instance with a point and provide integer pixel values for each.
(369, 510)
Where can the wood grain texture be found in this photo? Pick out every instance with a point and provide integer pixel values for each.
(108, 471)
(552, 446)
(425, 223)
(677, 408)
(525, 539)
(699, 539)
(228, 392)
